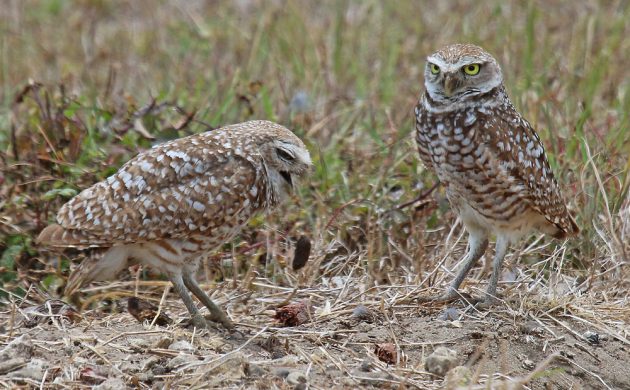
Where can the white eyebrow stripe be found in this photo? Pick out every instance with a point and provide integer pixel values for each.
(446, 67)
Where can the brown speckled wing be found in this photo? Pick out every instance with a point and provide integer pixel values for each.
(193, 185)
(515, 148)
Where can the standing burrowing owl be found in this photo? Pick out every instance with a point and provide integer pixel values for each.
(489, 158)
(170, 205)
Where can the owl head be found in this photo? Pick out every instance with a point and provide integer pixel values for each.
(285, 159)
(459, 72)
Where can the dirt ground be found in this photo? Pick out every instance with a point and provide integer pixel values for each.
(342, 345)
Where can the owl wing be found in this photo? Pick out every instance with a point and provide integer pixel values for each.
(520, 160)
(177, 189)
(423, 137)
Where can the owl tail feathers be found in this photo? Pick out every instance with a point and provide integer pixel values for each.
(57, 236)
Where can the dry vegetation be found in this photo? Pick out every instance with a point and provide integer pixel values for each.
(87, 84)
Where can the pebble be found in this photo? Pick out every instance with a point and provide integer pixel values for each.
(20, 347)
(529, 364)
(458, 377)
(180, 360)
(281, 372)
(182, 346)
(164, 342)
(12, 365)
(362, 313)
(591, 337)
(255, 371)
(450, 314)
(111, 384)
(295, 378)
(441, 361)
(366, 365)
(33, 370)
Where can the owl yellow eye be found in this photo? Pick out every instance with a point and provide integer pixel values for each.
(434, 68)
(472, 69)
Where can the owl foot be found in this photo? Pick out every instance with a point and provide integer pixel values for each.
(221, 318)
(198, 321)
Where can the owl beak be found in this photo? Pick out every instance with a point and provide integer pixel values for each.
(287, 177)
(451, 83)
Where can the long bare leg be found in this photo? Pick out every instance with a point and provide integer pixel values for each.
(500, 252)
(477, 245)
(216, 313)
(197, 319)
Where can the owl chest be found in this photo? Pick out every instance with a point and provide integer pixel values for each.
(450, 142)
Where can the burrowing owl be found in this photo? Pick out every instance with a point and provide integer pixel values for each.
(171, 204)
(488, 157)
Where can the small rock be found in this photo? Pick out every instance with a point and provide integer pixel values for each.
(164, 342)
(111, 384)
(139, 344)
(148, 363)
(182, 346)
(457, 377)
(255, 371)
(532, 328)
(441, 361)
(20, 347)
(33, 370)
(450, 314)
(281, 372)
(179, 361)
(362, 313)
(374, 378)
(233, 365)
(296, 377)
(146, 377)
(12, 365)
(528, 364)
(592, 337)
(366, 365)
(349, 381)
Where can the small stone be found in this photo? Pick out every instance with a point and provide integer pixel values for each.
(532, 328)
(12, 365)
(592, 337)
(255, 371)
(441, 361)
(149, 363)
(139, 344)
(164, 342)
(529, 364)
(20, 347)
(234, 365)
(362, 313)
(179, 361)
(111, 384)
(450, 314)
(281, 372)
(366, 365)
(33, 370)
(182, 346)
(295, 378)
(457, 377)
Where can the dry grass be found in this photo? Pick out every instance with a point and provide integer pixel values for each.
(119, 76)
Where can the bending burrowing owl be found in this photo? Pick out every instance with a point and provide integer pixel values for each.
(171, 204)
(488, 157)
